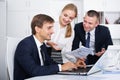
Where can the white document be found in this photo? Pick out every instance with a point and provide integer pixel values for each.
(81, 52)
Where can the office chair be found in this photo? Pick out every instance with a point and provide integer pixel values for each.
(11, 46)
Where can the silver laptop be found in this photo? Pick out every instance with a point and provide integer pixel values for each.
(91, 69)
(79, 71)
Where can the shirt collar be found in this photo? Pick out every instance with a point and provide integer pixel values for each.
(38, 43)
(92, 31)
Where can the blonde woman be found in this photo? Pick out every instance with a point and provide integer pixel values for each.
(62, 38)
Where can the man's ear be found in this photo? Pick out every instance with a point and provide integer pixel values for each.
(97, 23)
(37, 29)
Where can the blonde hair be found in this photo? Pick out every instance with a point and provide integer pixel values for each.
(69, 27)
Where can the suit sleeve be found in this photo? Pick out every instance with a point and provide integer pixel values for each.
(25, 59)
(108, 39)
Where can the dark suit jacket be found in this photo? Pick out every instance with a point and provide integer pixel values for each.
(27, 63)
(102, 39)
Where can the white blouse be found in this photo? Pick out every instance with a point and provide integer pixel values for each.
(59, 37)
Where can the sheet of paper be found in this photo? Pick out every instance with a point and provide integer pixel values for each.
(81, 52)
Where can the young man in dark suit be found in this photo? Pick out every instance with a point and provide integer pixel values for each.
(31, 59)
(99, 36)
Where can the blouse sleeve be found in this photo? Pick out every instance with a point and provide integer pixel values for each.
(67, 48)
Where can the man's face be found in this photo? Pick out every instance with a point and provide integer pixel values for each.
(45, 32)
(90, 23)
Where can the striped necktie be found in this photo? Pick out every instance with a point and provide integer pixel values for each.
(88, 40)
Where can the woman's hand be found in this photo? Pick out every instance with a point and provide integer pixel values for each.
(53, 45)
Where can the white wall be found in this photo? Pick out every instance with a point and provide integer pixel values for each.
(3, 70)
(20, 13)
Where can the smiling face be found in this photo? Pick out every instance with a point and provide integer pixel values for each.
(45, 32)
(66, 17)
(90, 23)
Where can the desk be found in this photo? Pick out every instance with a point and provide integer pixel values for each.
(98, 76)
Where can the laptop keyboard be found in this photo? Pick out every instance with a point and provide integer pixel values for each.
(81, 69)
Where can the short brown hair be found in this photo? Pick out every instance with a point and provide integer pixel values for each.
(92, 13)
(39, 20)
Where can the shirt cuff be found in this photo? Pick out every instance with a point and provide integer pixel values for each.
(60, 67)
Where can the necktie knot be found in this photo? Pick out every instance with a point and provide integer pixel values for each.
(41, 47)
(88, 33)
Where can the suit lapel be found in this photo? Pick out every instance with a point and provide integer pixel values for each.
(35, 51)
(82, 34)
(97, 36)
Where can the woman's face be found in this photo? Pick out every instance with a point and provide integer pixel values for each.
(66, 17)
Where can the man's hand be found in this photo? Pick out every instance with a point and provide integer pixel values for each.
(68, 66)
(80, 63)
(101, 52)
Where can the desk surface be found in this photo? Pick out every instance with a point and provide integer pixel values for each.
(78, 77)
